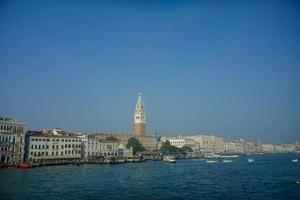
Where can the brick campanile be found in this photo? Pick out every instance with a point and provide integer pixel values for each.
(139, 118)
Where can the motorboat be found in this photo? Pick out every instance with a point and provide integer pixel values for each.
(77, 163)
(169, 159)
(25, 166)
(212, 156)
(295, 160)
(212, 161)
(251, 160)
(230, 156)
(227, 161)
(129, 159)
(120, 160)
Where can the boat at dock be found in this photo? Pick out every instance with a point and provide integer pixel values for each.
(295, 160)
(121, 160)
(25, 166)
(221, 156)
(251, 160)
(169, 159)
(227, 161)
(212, 156)
(77, 163)
(230, 156)
(212, 161)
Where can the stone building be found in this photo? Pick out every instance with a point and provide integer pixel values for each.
(12, 141)
(53, 146)
(208, 144)
(149, 142)
(124, 152)
(181, 142)
(288, 148)
(267, 148)
(235, 147)
(96, 148)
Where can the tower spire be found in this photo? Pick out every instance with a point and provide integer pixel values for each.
(139, 118)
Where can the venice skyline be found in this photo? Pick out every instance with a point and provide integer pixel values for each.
(231, 69)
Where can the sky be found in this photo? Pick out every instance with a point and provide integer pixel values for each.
(231, 68)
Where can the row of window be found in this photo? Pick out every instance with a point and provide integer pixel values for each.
(67, 152)
(104, 154)
(7, 138)
(103, 146)
(210, 142)
(55, 146)
(11, 149)
(8, 149)
(5, 127)
(55, 140)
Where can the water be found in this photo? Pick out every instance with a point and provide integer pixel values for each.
(269, 177)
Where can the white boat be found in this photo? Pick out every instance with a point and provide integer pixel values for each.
(212, 156)
(251, 160)
(230, 156)
(169, 159)
(295, 160)
(227, 161)
(129, 159)
(212, 161)
(121, 160)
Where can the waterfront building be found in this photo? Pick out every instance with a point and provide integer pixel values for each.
(278, 148)
(267, 148)
(288, 148)
(148, 142)
(139, 118)
(297, 147)
(251, 147)
(12, 141)
(208, 144)
(235, 147)
(181, 142)
(53, 146)
(125, 152)
(96, 148)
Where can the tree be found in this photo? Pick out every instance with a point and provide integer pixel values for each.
(186, 149)
(135, 144)
(111, 138)
(168, 148)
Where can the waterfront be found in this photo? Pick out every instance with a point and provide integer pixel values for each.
(271, 176)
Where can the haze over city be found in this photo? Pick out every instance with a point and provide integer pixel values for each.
(231, 68)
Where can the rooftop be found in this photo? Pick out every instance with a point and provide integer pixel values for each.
(53, 133)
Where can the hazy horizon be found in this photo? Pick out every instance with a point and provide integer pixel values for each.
(227, 68)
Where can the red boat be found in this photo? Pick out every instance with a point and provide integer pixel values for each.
(25, 166)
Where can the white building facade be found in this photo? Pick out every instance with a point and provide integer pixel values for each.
(53, 145)
(124, 152)
(181, 142)
(96, 148)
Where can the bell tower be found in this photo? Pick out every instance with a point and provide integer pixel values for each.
(139, 118)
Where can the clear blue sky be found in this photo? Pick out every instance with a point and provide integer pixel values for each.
(202, 66)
